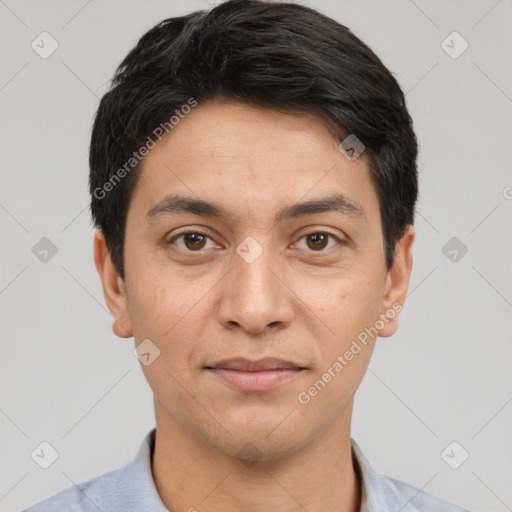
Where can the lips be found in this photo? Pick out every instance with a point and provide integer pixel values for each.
(255, 376)
(246, 365)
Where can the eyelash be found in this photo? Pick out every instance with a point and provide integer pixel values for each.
(196, 232)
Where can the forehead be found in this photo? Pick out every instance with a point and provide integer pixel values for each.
(235, 131)
(253, 157)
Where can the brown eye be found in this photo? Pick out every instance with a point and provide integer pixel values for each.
(192, 241)
(317, 241)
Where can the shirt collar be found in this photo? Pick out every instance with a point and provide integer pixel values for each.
(370, 481)
(138, 472)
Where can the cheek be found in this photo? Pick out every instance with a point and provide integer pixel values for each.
(350, 312)
(173, 316)
(156, 300)
(345, 306)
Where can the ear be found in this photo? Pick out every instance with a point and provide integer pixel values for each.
(397, 283)
(113, 287)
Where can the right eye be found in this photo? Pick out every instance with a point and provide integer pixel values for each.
(191, 241)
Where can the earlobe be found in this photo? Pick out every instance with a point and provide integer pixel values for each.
(113, 287)
(397, 283)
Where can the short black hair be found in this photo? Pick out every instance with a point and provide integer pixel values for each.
(282, 56)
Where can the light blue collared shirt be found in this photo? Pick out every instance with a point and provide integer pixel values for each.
(132, 488)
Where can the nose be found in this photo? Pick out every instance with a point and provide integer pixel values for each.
(255, 296)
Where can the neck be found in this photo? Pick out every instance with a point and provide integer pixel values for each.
(191, 475)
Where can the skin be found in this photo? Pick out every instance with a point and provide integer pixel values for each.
(300, 301)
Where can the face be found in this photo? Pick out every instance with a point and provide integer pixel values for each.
(255, 263)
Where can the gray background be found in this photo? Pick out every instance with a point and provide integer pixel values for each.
(445, 376)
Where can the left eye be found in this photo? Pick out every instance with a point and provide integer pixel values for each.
(318, 241)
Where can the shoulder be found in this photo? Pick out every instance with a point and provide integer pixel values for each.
(384, 494)
(128, 488)
(413, 499)
(87, 496)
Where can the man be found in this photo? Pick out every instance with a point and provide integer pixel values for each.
(253, 180)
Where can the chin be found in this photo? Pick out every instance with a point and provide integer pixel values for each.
(251, 449)
(262, 435)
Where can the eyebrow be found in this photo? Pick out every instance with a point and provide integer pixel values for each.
(175, 205)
